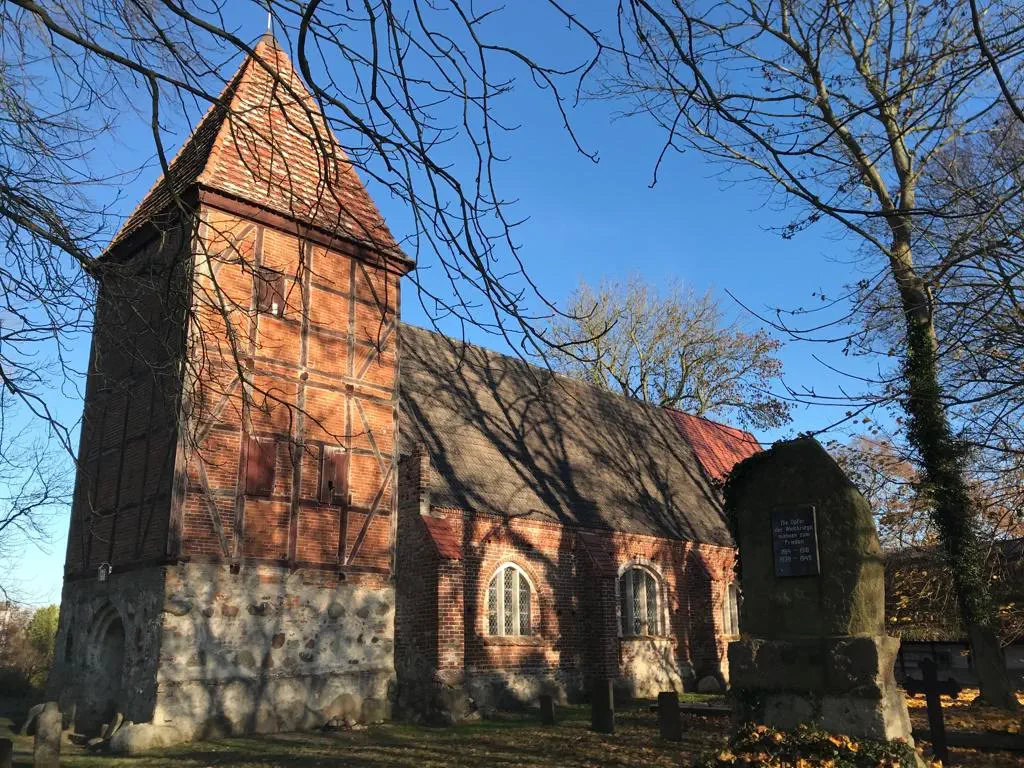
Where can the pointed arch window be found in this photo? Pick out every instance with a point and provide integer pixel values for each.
(639, 603)
(508, 602)
(731, 610)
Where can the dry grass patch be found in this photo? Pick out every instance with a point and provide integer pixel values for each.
(513, 740)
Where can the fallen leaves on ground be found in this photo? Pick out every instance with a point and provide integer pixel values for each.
(965, 699)
(963, 714)
(758, 746)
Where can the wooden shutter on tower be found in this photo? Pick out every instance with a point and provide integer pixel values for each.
(334, 475)
(259, 468)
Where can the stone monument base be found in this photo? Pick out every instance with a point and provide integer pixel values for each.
(841, 684)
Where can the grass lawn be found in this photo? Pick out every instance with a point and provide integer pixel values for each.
(512, 740)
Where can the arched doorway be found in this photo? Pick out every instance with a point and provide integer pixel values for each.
(104, 671)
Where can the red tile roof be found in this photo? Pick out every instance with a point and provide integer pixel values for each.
(272, 147)
(718, 447)
(446, 540)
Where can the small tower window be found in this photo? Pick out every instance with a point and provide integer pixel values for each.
(269, 292)
(334, 476)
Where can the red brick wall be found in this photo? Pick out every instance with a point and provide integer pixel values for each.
(320, 374)
(569, 608)
(416, 590)
(128, 437)
(574, 606)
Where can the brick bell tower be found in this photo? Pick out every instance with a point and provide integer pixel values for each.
(230, 554)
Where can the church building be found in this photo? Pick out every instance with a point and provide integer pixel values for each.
(292, 508)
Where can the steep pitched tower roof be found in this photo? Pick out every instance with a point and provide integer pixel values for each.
(266, 143)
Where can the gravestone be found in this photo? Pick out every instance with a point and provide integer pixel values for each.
(547, 709)
(602, 706)
(669, 722)
(813, 646)
(49, 726)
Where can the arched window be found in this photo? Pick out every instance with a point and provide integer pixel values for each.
(731, 610)
(640, 607)
(508, 602)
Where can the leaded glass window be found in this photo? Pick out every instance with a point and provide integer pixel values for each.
(508, 602)
(492, 607)
(639, 604)
(524, 605)
(731, 610)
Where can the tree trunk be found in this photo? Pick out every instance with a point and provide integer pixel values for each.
(942, 460)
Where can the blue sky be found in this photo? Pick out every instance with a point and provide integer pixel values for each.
(591, 220)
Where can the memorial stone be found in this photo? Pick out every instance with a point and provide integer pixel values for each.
(813, 647)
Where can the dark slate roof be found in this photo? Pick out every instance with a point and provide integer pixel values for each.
(510, 439)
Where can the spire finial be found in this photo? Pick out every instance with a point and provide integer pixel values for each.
(268, 36)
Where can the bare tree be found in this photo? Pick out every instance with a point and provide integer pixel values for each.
(1009, 19)
(671, 348)
(37, 484)
(399, 85)
(890, 479)
(840, 108)
(977, 259)
(384, 90)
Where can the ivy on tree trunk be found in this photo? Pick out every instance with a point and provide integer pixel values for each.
(942, 459)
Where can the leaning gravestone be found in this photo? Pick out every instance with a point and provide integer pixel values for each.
(813, 647)
(49, 726)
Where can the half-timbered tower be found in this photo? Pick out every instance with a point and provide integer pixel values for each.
(230, 552)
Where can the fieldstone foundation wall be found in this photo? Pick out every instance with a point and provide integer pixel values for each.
(271, 650)
(107, 648)
(511, 689)
(650, 665)
(212, 652)
(449, 696)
